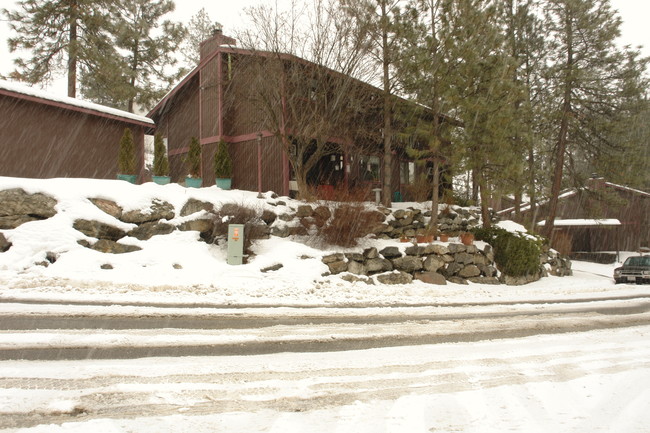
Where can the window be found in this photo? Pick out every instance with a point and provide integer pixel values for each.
(369, 168)
(407, 172)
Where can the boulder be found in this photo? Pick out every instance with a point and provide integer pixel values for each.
(331, 258)
(193, 206)
(272, 268)
(281, 231)
(304, 211)
(350, 278)
(201, 225)
(485, 280)
(415, 250)
(464, 258)
(107, 206)
(455, 248)
(357, 268)
(13, 221)
(458, 280)
(337, 267)
(469, 271)
(356, 257)
(4, 243)
(431, 278)
(99, 230)
(18, 202)
(378, 265)
(108, 246)
(408, 264)
(391, 252)
(437, 249)
(322, 214)
(395, 278)
(148, 230)
(268, 217)
(370, 253)
(433, 263)
(157, 211)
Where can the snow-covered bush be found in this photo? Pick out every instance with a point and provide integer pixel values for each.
(516, 254)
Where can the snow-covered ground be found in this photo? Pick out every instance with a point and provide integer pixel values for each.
(593, 381)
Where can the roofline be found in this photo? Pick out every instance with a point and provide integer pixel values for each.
(87, 109)
(283, 56)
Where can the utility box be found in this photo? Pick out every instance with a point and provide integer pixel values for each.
(235, 244)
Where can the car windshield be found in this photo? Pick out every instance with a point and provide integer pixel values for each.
(638, 261)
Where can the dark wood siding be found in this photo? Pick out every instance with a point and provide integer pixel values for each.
(43, 141)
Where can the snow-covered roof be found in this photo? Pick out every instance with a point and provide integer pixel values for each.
(21, 89)
(583, 222)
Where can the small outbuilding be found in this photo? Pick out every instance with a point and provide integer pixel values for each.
(602, 216)
(46, 136)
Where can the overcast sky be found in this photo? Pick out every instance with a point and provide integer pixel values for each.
(635, 30)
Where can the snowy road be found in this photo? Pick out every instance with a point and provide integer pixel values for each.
(595, 381)
(574, 365)
(56, 331)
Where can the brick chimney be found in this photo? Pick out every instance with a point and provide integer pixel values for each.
(217, 40)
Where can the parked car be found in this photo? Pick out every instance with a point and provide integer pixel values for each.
(635, 270)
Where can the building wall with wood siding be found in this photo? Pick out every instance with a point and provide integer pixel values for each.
(45, 141)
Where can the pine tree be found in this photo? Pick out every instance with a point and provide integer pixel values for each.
(598, 85)
(160, 160)
(378, 18)
(126, 159)
(60, 35)
(143, 73)
(199, 29)
(483, 94)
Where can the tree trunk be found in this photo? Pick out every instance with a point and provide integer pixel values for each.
(433, 222)
(73, 52)
(562, 135)
(387, 188)
(485, 197)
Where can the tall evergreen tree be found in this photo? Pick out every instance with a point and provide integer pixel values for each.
(199, 29)
(140, 73)
(597, 84)
(425, 69)
(59, 35)
(484, 95)
(377, 18)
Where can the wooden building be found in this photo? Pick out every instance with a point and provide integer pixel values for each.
(597, 205)
(259, 103)
(46, 136)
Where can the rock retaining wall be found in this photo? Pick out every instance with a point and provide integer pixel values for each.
(433, 263)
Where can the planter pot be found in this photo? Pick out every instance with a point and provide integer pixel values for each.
(467, 238)
(161, 180)
(444, 238)
(424, 239)
(193, 182)
(404, 239)
(131, 178)
(223, 183)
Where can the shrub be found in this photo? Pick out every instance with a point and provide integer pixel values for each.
(222, 162)
(233, 213)
(126, 159)
(348, 224)
(160, 161)
(193, 158)
(516, 254)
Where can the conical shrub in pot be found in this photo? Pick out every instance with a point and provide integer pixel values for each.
(160, 161)
(193, 161)
(223, 166)
(126, 158)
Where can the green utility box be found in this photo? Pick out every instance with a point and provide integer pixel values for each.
(235, 244)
